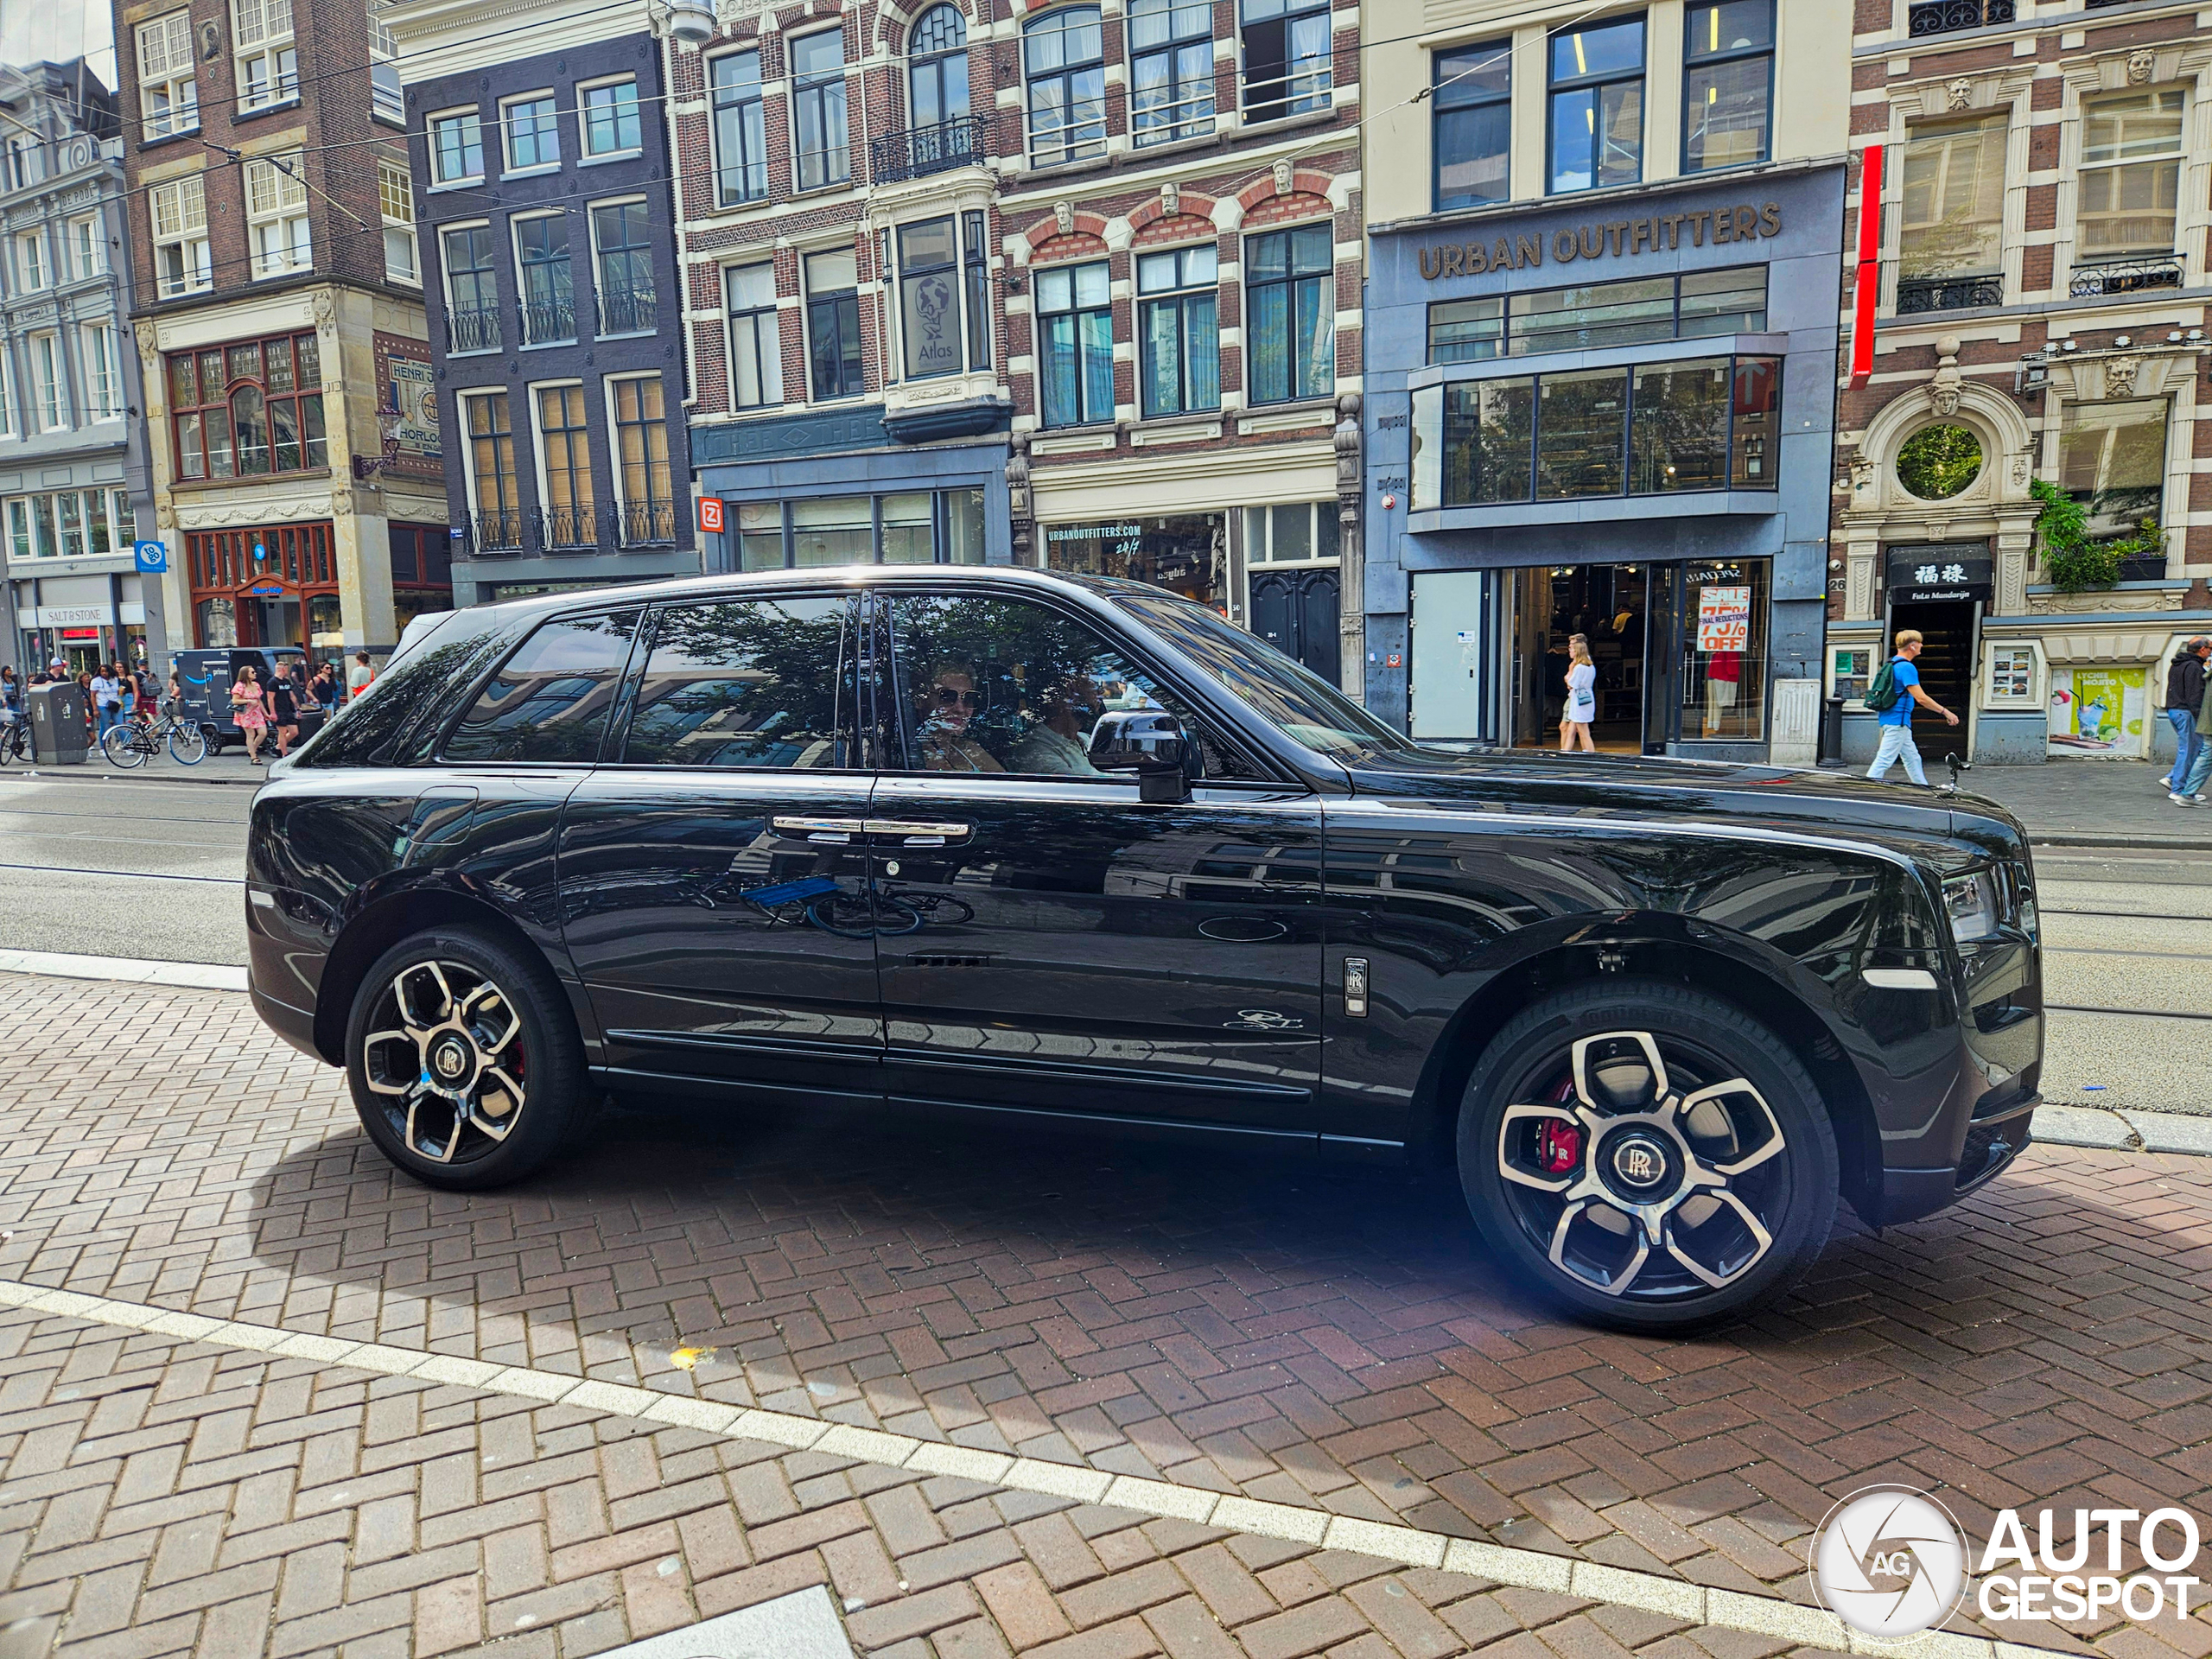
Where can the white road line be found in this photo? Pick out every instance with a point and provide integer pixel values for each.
(129, 970)
(1530, 1569)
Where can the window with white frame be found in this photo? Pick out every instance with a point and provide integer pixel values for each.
(68, 524)
(741, 135)
(756, 338)
(49, 383)
(1177, 335)
(178, 211)
(33, 270)
(87, 248)
(457, 147)
(643, 483)
(395, 202)
(276, 214)
(268, 63)
(495, 499)
(818, 121)
(569, 518)
(9, 428)
(2131, 175)
(612, 125)
(102, 372)
(387, 101)
(1063, 54)
(533, 131)
(168, 96)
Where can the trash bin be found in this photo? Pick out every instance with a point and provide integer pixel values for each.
(58, 734)
(1832, 729)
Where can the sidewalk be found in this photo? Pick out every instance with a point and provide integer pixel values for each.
(230, 768)
(2088, 802)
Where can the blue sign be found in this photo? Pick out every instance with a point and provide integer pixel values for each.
(266, 590)
(259, 551)
(153, 556)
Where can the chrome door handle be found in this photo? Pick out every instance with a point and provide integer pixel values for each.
(918, 832)
(834, 831)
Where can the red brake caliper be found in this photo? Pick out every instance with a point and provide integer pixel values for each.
(1558, 1146)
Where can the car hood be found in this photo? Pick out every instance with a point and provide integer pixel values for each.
(1593, 788)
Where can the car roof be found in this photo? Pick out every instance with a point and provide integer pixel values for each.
(813, 577)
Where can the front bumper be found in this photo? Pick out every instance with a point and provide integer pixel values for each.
(1992, 1141)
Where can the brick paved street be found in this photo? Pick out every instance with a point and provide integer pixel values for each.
(1213, 1318)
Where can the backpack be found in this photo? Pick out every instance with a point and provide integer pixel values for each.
(1882, 695)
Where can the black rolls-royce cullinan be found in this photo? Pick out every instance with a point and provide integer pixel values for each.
(1009, 842)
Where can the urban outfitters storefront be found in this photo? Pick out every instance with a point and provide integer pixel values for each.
(1612, 415)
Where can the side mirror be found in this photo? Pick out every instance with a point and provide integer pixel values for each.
(1151, 743)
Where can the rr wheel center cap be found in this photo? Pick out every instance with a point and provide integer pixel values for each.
(1641, 1166)
(451, 1060)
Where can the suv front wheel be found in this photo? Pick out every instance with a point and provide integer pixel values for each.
(1649, 1156)
(462, 1059)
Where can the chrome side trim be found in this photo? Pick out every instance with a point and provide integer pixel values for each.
(1899, 979)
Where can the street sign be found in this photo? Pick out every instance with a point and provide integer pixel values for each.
(710, 514)
(265, 590)
(153, 556)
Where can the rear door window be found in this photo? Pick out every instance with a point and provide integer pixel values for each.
(758, 683)
(549, 703)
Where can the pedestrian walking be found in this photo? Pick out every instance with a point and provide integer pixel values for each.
(2191, 792)
(249, 709)
(2184, 691)
(358, 678)
(323, 688)
(11, 696)
(1895, 691)
(1581, 698)
(284, 708)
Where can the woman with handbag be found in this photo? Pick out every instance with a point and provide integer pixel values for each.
(249, 707)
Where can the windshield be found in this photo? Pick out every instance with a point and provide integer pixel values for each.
(1293, 699)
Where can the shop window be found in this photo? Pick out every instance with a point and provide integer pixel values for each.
(909, 528)
(643, 482)
(249, 408)
(1063, 53)
(1605, 313)
(168, 97)
(1289, 64)
(751, 683)
(1952, 215)
(1755, 423)
(905, 527)
(760, 535)
(833, 529)
(1075, 331)
(497, 502)
(1467, 331)
(1293, 532)
(1473, 124)
(178, 211)
(963, 526)
(533, 132)
(1724, 650)
(217, 623)
(549, 703)
(2111, 458)
(610, 120)
(1727, 84)
(1595, 125)
(564, 447)
(1171, 70)
(929, 297)
(756, 347)
(1727, 301)
(268, 64)
(1581, 418)
(1678, 440)
(1178, 333)
(833, 325)
(741, 137)
(2131, 175)
(1697, 305)
(1184, 553)
(547, 283)
(1290, 291)
(457, 147)
(819, 131)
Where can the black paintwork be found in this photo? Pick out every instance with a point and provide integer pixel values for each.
(1080, 951)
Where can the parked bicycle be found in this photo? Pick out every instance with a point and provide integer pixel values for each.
(15, 740)
(128, 743)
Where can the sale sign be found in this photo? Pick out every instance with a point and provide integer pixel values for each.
(1724, 618)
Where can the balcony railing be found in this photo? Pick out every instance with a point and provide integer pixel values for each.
(548, 320)
(627, 309)
(643, 524)
(2126, 276)
(1948, 17)
(567, 530)
(920, 151)
(497, 531)
(1916, 294)
(473, 328)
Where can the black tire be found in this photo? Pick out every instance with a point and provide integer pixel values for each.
(1616, 1142)
(120, 744)
(187, 745)
(544, 1091)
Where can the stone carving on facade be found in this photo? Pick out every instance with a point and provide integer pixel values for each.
(1021, 506)
(1959, 93)
(1862, 476)
(1171, 199)
(1064, 216)
(1944, 391)
(326, 309)
(2023, 468)
(2140, 63)
(1282, 177)
(2120, 375)
(1349, 486)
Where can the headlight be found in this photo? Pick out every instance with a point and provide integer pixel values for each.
(1971, 901)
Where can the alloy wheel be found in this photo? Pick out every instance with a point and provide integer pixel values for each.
(445, 1060)
(1644, 1168)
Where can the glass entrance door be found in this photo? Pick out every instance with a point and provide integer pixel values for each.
(1609, 605)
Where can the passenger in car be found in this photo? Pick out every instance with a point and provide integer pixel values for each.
(1059, 743)
(949, 704)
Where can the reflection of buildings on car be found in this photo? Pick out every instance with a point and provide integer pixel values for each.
(72, 464)
(295, 478)
(1599, 370)
(2030, 318)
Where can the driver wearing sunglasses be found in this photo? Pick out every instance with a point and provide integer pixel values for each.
(949, 703)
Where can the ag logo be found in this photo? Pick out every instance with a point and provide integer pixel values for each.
(1889, 1562)
(1262, 1019)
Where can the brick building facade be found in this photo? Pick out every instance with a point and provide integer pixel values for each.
(2032, 317)
(295, 480)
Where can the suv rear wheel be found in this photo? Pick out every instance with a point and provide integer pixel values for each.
(463, 1060)
(1647, 1155)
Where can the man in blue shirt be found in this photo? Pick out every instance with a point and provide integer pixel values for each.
(1896, 719)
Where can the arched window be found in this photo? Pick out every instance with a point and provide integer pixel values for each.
(1064, 53)
(937, 82)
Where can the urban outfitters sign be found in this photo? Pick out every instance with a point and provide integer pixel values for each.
(1612, 238)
